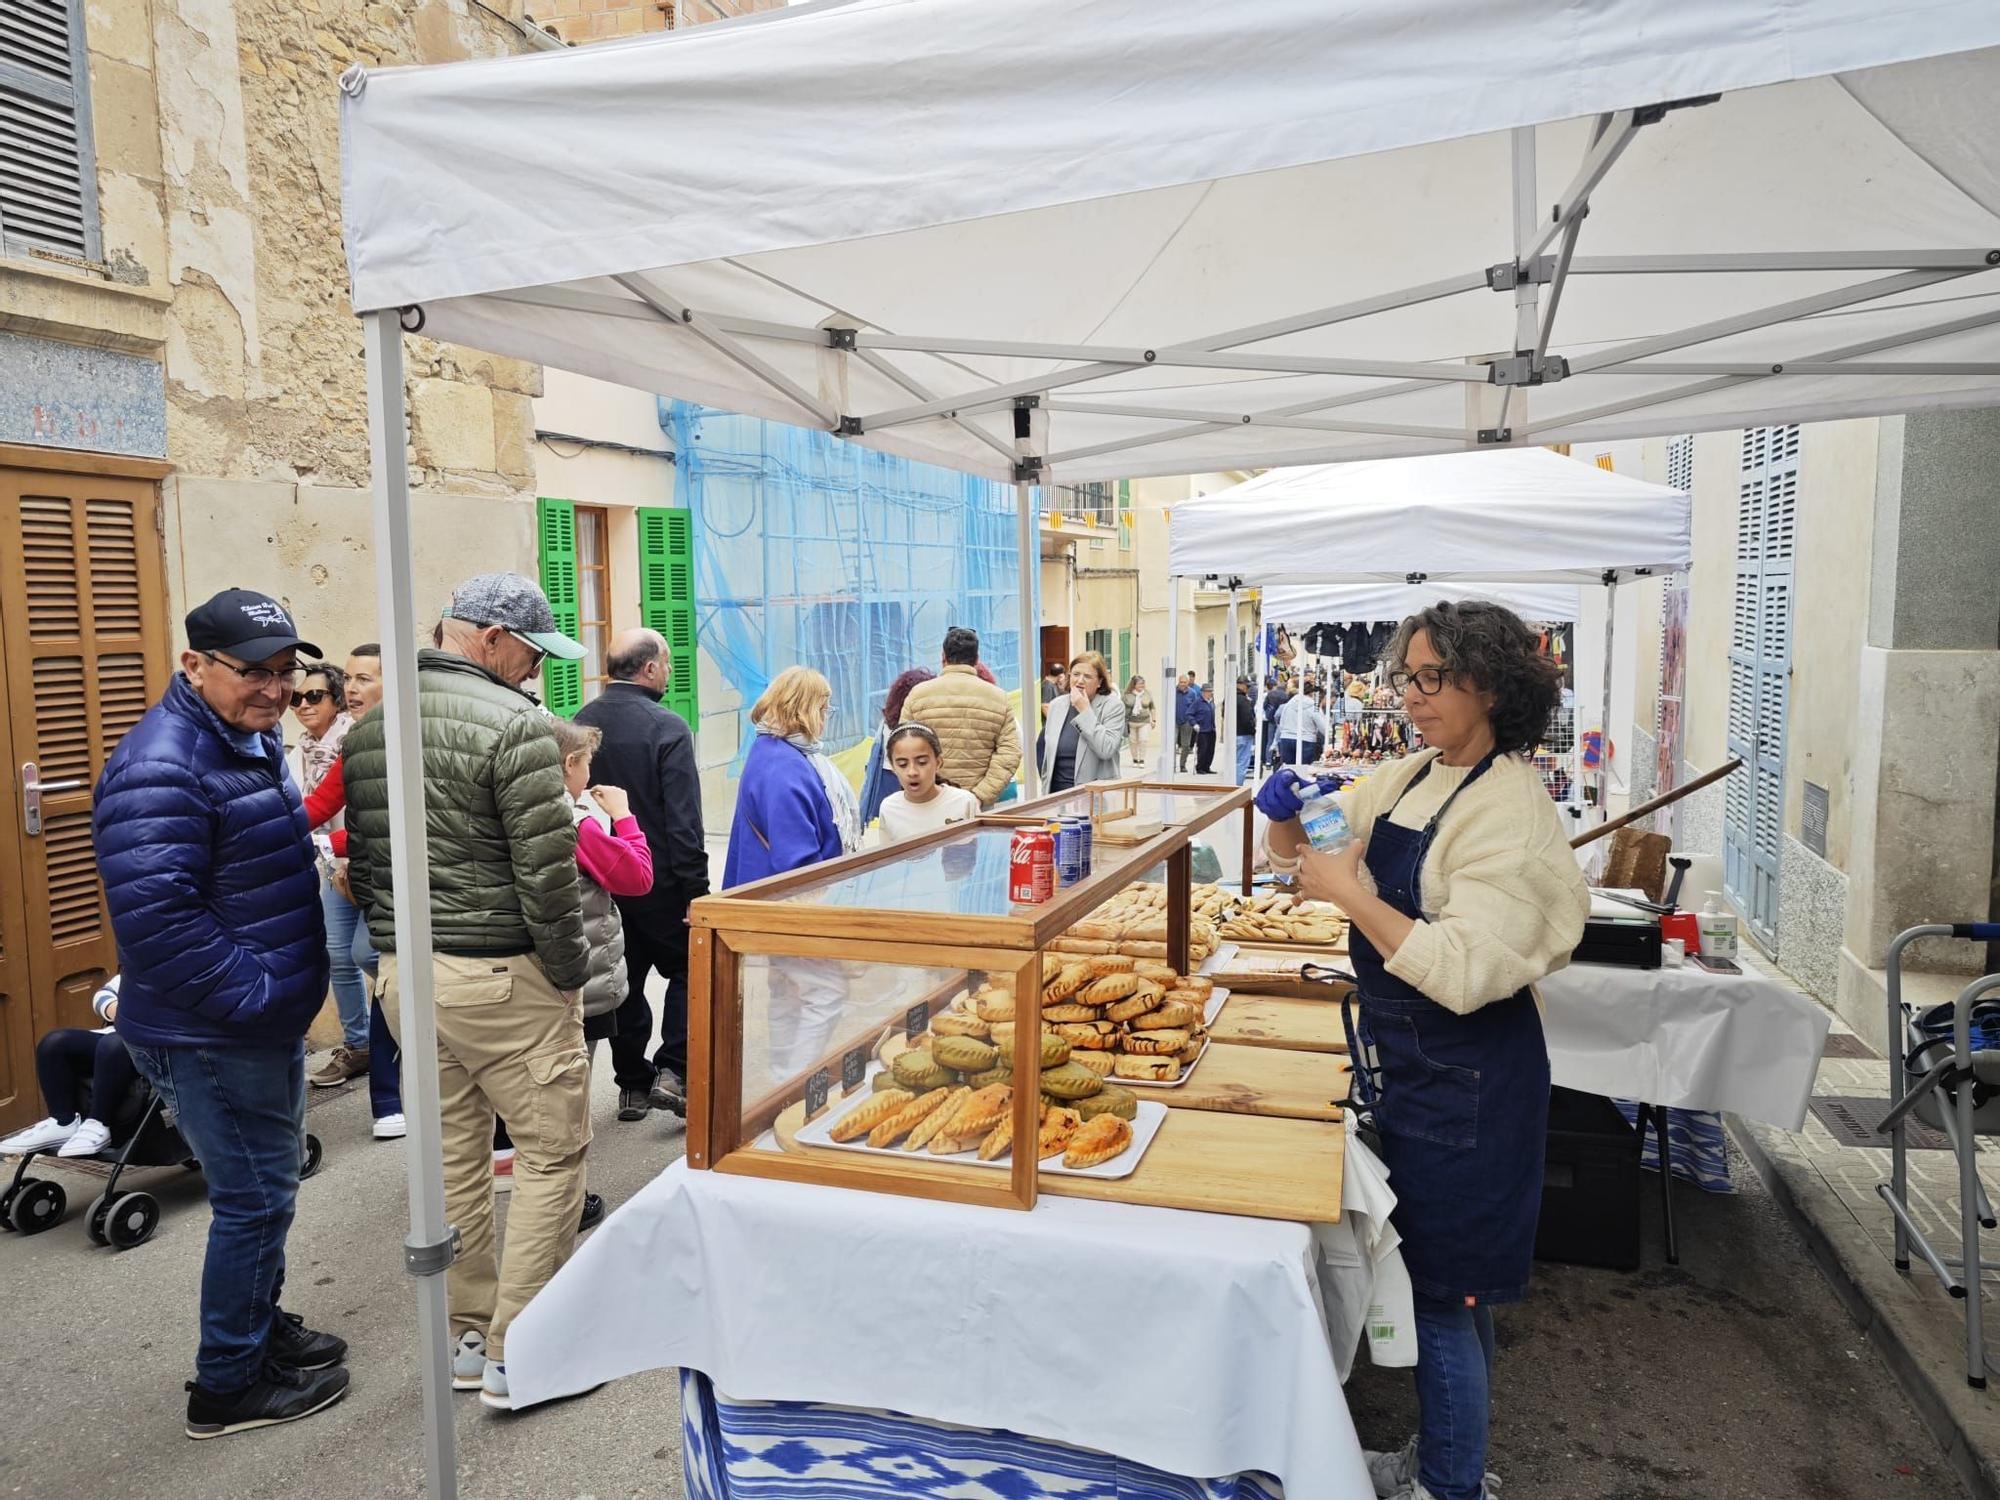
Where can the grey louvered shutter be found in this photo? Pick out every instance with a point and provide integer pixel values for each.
(48, 171)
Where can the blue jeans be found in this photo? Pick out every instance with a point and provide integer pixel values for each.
(350, 996)
(1246, 751)
(242, 1112)
(385, 1058)
(1454, 1370)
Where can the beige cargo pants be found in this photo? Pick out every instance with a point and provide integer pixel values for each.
(507, 1042)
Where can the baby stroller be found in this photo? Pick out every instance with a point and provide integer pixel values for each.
(1944, 1067)
(143, 1136)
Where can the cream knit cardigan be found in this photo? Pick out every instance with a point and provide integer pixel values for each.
(1503, 900)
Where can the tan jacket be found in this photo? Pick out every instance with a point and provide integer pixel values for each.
(974, 722)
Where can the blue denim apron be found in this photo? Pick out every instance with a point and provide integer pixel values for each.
(1461, 1102)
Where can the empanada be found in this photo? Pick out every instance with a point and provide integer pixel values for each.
(1135, 1006)
(928, 1127)
(1111, 963)
(1155, 1069)
(1097, 1141)
(908, 1118)
(1156, 1043)
(871, 1112)
(1110, 987)
(1174, 1013)
(1055, 1013)
(1072, 978)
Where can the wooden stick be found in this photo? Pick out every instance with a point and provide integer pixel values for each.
(1646, 809)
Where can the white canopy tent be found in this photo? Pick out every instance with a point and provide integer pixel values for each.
(1409, 531)
(1300, 605)
(1088, 239)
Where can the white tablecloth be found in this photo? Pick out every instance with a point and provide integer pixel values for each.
(1202, 1344)
(1685, 1037)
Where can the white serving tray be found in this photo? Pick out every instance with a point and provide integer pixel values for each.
(1126, 1162)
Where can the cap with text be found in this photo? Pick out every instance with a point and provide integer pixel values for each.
(250, 626)
(515, 604)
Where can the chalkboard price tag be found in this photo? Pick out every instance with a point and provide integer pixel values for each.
(854, 1070)
(817, 1088)
(917, 1022)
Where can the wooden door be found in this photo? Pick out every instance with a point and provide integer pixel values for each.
(83, 653)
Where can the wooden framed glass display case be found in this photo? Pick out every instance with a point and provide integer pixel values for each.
(798, 983)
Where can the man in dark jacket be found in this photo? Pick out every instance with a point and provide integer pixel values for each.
(508, 950)
(1246, 729)
(1201, 714)
(648, 750)
(1277, 693)
(214, 894)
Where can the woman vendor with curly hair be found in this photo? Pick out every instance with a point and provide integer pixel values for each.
(1462, 891)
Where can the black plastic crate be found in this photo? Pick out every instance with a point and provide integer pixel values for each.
(1590, 1186)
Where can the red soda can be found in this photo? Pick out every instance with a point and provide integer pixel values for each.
(1031, 867)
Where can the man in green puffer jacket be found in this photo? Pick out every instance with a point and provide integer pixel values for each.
(510, 953)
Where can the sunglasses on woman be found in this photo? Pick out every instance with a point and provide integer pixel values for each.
(314, 696)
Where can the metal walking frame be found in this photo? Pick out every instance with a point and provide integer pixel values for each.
(1947, 1095)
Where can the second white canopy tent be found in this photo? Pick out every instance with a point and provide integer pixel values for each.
(1381, 539)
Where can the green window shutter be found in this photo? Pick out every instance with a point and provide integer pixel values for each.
(1124, 658)
(562, 681)
(666, 600)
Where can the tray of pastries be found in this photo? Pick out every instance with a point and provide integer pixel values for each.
(1087, 1128)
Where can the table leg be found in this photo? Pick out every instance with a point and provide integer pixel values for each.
(1666, 1182)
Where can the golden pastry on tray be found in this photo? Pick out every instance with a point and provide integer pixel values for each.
(1097, 1142)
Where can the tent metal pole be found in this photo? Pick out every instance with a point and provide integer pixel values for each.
(673, 310)
(916, 388)
(1610, 640)
(432, 1244)
(1225, 692)
(1813, 367)
(1385, 429)
(1867, 346)
(1781, 312)
(1781, 260)
(1027, 533)
(1170, 681)
(1602, 157)
(1527, 291)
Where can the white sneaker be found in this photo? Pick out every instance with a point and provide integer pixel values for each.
(1393, 1473)
(1415, 1490)
(493, 1387)
(39, 1137)
(468, 1360)
(391, 1128)
(91, 1137)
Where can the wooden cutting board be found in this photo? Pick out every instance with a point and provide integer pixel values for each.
(1279, 1021)
(1276, 971)
(1236, 1079)
(1211, 1162)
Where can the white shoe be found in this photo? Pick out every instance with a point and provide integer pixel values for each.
(39, 1137)
(91, 1137)
(391, 1128)
(493, 1387)
(1393, 1473)
(468, 1360)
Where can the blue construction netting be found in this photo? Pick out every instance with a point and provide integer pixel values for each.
(816, 551)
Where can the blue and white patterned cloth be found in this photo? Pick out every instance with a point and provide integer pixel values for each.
(801, 1450)
(1701, 1146)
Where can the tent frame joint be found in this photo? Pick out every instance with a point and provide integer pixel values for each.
(1029, 470)
(1525, 367)
(431, 1257)
(1504, 276)
(1488, 436)
(848, 427)
(842, 338)
(1652, 114)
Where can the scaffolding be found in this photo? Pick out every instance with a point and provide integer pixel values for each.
(814, 551)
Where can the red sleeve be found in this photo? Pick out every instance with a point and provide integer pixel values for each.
(329, 800)
(620, 860)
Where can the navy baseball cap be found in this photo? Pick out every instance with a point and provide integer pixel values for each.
(248, 625)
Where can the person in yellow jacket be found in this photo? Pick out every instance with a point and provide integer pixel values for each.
(972, 718)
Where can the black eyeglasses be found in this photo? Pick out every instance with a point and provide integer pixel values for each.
(1429, 681)
(314, 696)
(259, 677)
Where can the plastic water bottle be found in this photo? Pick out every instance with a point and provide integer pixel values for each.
(1325, 823)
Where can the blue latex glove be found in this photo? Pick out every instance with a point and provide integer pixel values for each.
(1283, 795)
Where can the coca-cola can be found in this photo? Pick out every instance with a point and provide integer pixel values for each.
(1031, 867)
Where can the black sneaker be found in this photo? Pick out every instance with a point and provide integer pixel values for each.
(669, 1094)
(633, 1104)
(277, 1395)
(298, 1347)
(593, 1212)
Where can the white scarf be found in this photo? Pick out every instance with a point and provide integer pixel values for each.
(846, 806)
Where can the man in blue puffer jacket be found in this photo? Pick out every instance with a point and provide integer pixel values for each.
(209, 873)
